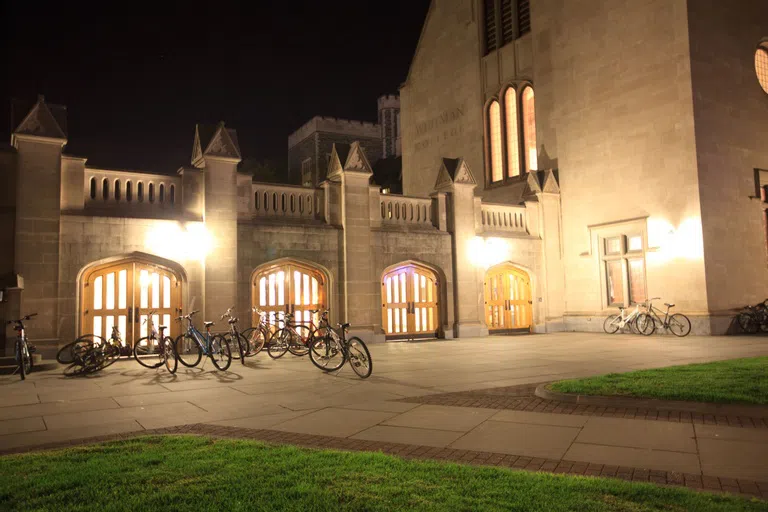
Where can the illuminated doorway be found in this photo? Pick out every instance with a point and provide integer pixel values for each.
(289, 287)
(123, 293)
(508, 300)
(409, 296)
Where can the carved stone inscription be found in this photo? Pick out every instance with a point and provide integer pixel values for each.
(440, 128)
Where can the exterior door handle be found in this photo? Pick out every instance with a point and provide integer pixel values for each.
(130, 315)
(136, 315)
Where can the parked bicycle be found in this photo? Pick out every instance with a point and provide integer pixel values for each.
(330, 351)
(22, 350)
(292, 337)
(90, 353)
(754, 318)
(192, 344)
(614, 323)
(235, 338)
(258, 335)
(155, 349)
(677, 323)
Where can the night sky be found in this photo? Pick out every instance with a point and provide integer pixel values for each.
(136, 78)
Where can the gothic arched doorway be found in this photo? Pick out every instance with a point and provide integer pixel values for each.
(123, 293)
(508, 299)
(289, 286)
(409, 301)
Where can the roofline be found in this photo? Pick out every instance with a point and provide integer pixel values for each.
(418, 43)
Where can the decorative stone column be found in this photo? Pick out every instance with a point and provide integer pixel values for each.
(456, 180)
(217, 153)
(350, 168)
(39, 140)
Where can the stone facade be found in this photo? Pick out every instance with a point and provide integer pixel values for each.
(651, 114)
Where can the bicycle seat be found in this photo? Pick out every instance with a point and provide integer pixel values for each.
(344, 326)
(669, 305)
(208, 324)
(161, 327)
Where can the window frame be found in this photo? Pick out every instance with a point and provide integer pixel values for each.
(495, 7)
(623, 255)
(501, 97)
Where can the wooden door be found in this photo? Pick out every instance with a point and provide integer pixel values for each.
(290, 287)
(123, 294)
(508, 300)
(410, 303)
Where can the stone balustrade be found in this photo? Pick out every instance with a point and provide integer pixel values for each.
(403, 210)
(123, 190)
(503, 218)
(286, 201)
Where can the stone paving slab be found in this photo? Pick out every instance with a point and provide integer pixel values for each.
(28, 424)
(737, 459)
(62, 407)
(420, 436)
(334, 422)
(530, 440)
(653, 435)
(634, 457)
(540, 418)
(457, 419)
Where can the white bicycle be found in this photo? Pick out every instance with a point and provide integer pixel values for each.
(614, 323)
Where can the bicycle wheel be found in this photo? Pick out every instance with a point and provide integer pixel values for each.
(221, 353)
(748, 323)
(148, 353)
(188, 351)
(278, 343)
(22, 356)
(611, 324)
(359, 357)
(239, 346)
(169, 355)
(645, 324)
(299, 341)
(679, 325)
(257, 337)
(326, 353)
(72, 351)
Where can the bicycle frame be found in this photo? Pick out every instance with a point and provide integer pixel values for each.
(203, 340)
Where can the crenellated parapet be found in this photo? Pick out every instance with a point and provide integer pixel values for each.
(362, 129)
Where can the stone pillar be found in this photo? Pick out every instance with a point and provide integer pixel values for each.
(11, 311)
(550, 226)
(39, 141)
(455, 179)
(217, 153)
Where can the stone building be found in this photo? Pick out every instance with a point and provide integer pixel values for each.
(635, 173)
(309, 147)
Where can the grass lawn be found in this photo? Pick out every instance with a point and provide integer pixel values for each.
(195, 473)
(742, 381)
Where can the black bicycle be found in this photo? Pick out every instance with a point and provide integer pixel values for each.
(754, 318)
(22, 350)
(235, 338)
(329, 350)
(90, 353)
(156, 349)
(650, 320)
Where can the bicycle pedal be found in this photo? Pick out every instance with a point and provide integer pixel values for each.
(32, 349)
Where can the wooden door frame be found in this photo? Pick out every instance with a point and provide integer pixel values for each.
(135, 257)
(515, 268)
(440, 298)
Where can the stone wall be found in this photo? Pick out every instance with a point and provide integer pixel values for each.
(731, 116)
(303, 149)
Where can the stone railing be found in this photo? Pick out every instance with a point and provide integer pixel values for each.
(286, 201)
(503, 218)
(127, 191)
(403, 210)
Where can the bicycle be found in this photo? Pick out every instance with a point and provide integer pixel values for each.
(678, 323)
(155, 350)
(291, 337)
(90, 353)
(754, 318)
(241, 341)
(331, 351)
(258, 335)
(191, 345)
(22, 350)
(613, 323)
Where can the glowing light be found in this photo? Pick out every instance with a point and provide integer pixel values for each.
(684, 242)
(180, 241)
(485, 253)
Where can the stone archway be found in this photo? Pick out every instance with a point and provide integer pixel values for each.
(410, 301)
(508, 299)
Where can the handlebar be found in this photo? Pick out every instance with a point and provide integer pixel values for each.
(26, 317)
(227, 313)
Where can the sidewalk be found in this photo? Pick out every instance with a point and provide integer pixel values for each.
(405, 402)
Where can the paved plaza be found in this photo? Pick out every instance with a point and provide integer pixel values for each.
(291, 395)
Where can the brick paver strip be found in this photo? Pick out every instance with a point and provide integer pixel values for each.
(701, 482)
(523, 398)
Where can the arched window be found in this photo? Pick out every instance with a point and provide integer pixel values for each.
(117, 190)
(105, 189)
(162, 193)
(151, 192)
(93, 188)
(761, 65)
(173, 194)
(494, 128)
(128, 191)
(529, 130)
(513, 136)
(140, 192)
